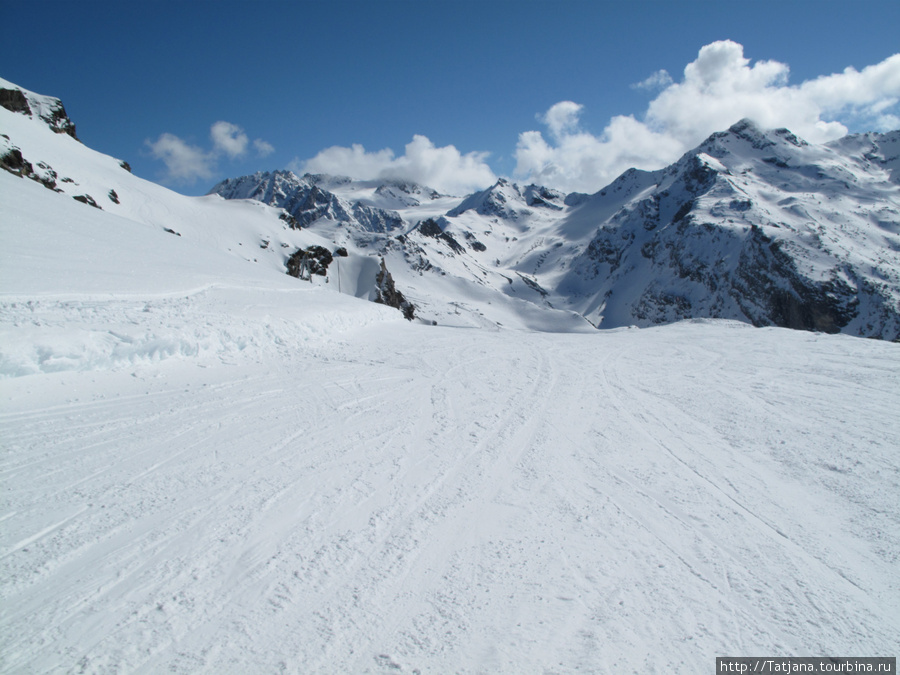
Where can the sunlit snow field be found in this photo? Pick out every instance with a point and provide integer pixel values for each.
(266, 491)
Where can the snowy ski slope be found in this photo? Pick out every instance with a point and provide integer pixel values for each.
(455, 500)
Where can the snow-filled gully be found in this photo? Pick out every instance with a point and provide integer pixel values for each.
(456, 500)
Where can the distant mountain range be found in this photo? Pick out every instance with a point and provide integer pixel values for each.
(752, 225)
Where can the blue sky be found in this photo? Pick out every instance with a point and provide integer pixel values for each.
(147, 82)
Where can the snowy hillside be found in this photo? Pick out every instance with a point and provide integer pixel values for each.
(207, 465)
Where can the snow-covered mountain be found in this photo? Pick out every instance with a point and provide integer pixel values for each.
(208, 465)
(752, 225)
(368, 205)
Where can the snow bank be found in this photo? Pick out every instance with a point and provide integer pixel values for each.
(219, 323)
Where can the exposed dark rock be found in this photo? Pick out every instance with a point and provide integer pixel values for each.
(87, 199)
(698, 176)
(171, 231)
(113, 197)
(317, 203)
(59, 121)
(14, 162)
(14, 101)
(289, 220)
(125, 165)
(431, 228)
(340, 252)
(309, 261)
(767, 279)
(390, 296)
(540, 196)
(683, 211)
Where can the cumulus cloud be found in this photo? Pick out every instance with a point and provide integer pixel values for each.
(228, 139)
(719, 88)
(187, 163)
(184, 162)
(445, 169)
(562, 118)
(263, 149)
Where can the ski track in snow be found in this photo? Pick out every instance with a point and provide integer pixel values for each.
(457, 500)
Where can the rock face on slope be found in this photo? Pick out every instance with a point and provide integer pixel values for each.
(390, 296)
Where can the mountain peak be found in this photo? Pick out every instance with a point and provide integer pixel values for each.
(503, 200)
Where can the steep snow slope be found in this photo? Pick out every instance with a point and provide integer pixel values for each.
(208, 466)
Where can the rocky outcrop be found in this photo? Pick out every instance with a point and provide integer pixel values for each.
(432, 228)
(387, 294)
(50, 110)
(312, 260)
(502, 200)
(15, 163)
(14, 100)
(87, 199)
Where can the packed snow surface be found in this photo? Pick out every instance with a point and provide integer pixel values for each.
(413, 498)
(209, 466)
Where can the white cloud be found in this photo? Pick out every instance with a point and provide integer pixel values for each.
(719, 88)
(444, 169)
(184, 163)
(657, 80)
(187, 163)
(562, 118)
(262, 148)
(228, 139)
